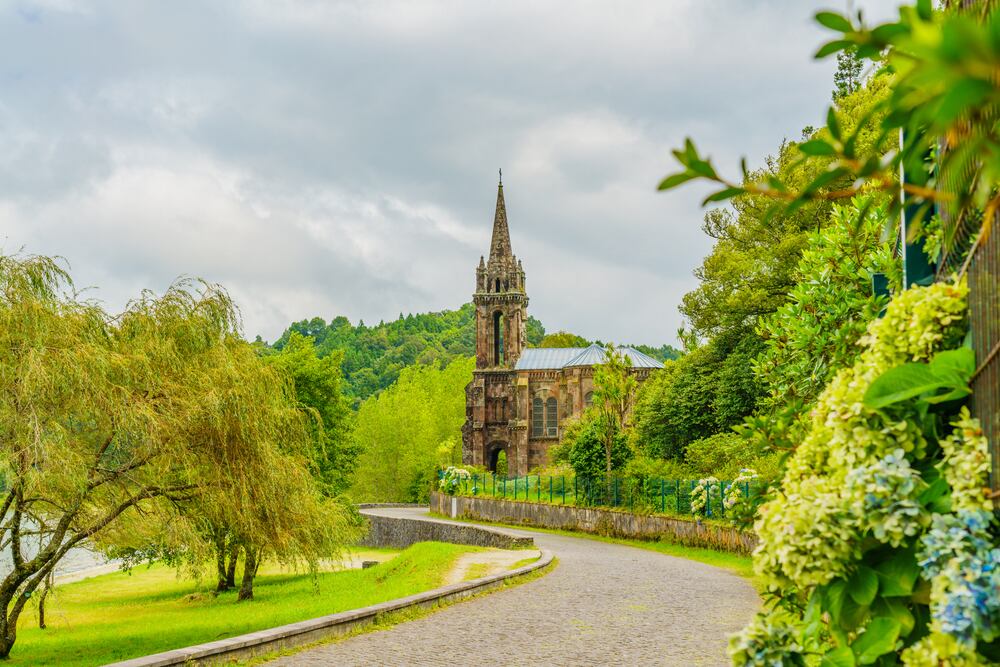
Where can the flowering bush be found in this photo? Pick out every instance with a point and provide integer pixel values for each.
(879, 542)
(734, 494)
(701, 493)
(452, 479)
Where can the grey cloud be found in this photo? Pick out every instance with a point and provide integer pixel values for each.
(340, 157)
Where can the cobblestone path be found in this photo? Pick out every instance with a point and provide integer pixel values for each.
(604, 604)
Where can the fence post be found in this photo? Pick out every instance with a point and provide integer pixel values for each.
(538, 491)
(550, 489)
(562, 484)
(505, 487)
(663, 498)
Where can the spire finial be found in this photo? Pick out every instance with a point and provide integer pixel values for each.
(501, 177)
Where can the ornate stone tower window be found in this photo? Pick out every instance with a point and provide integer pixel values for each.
(498, 342)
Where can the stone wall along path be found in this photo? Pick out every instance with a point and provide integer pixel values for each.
(604, 604)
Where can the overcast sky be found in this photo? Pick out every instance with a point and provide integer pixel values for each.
(325, 158)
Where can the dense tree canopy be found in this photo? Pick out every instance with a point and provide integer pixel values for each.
(374, 356)
(319, 388)
(402, 430)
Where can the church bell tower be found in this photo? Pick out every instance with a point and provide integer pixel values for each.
(500, 300)
(492, 424)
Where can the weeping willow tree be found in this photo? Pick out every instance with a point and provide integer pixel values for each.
(154, 426)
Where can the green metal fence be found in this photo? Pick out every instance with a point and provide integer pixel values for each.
(665, 496)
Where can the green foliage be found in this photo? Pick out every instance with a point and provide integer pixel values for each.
(501, 470)
(889, 479)
(663, 353)
(614, 395)
(816, 332)
(563, 339)
(721, 455)
(847, 78)
(318, 385)
(708, 390)
(401, 429)
(586, 447)
(149, 427)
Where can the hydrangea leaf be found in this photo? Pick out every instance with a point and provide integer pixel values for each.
(898, 575)
(896, 608)
(878, 639)
(841, 657)
(863, 586)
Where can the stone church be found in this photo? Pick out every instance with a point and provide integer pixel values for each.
(519, 396)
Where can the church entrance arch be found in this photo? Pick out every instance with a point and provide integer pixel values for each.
(493, 455)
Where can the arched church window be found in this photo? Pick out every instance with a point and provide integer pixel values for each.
(537, 418)
(503, 410)
(588, 400)
(497, 285)
(498, 346)
(552, 417)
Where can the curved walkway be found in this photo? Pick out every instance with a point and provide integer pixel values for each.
(604, 604)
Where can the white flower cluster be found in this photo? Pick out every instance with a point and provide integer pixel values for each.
(734, 492)
(966, 464)
(941, 650)
(452, 479)
(765, 643)
(700, 494)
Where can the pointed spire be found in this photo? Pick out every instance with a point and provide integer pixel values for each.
(500, 246)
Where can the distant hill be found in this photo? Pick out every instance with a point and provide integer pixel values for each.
(374, 355)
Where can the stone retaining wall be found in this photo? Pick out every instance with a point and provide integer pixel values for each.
(399, 533)
(606, 522)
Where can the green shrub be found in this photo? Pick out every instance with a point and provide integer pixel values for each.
(586, 451)
(502, 464)
(721, 455)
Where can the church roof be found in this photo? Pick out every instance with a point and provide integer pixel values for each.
(550, 358)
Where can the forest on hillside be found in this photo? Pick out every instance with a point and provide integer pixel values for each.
(374, 356)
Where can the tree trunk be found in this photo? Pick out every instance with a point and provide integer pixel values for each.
(249, 572)
(220, 561)
(41, 601)
(234, 555)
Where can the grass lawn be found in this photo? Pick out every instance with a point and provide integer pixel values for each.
(118, 616)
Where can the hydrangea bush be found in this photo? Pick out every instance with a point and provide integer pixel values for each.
(701, 493)
(880, 546)
(452, 479)
(734, 495)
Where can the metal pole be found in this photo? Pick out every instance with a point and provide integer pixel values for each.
(562, 480)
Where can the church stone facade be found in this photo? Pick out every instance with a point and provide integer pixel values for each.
(519, 396)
